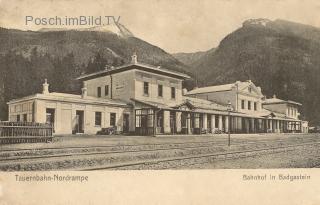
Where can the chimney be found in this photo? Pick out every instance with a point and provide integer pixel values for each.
(84, 92)
(134, 59)
(259, 88)
(184, 91)
(45, 87)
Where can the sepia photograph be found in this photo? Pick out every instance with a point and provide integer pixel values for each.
(155, 85)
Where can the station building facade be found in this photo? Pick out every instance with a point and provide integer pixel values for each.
(149, 100)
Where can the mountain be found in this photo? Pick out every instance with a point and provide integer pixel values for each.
(115, 28)
(189, 58)
(280, 56)
(27, 57)
(85, 44)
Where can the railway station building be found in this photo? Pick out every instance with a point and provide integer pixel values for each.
(144, 99)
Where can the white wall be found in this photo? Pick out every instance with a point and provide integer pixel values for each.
(65, 115)
(154, 80)
(122, 85)
(21, 109)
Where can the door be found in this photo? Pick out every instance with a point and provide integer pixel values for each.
(50, 117)
(173, 122)
(125, 123)
(79, 121)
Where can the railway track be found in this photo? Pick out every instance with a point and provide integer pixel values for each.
(245, 140)
(118, 149)
(195, 150)
(198, 159)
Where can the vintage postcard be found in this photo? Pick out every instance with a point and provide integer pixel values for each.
(159, 102)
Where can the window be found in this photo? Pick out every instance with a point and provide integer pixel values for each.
(255, 106)
(250, 89)
(106, 90)
(112, 119)
(173, 92)
(18, 118)
(25, 118)
(242, 104)
(99, 92)
(145, 88)
(249, 105)
(160, 90)
(98, 119)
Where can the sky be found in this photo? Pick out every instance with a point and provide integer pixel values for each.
(173, 25)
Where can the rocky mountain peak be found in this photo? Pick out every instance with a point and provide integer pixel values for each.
(256, 22)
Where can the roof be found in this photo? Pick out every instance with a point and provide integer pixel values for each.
(66, 97)
(152, 104)
(138, 66)
(275, 115)
(210, 89)
(219, 88)
(205, 104)
(275, 100)
(198, 105)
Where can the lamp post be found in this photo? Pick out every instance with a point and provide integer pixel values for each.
(229, 122)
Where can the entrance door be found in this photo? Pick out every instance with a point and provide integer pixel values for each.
(50, 117)
(173, 122)
(79, 121)
(125, 123)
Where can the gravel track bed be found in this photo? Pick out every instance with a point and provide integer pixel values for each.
(49, 152)
(95, 160)
(211, 159)
(300, 157)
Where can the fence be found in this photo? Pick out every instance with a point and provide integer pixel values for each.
(25, 132)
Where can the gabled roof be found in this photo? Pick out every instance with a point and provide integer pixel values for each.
(220, 88)
(152, 104)
(205, 104)
(194, 103)
(276, 100)
(209, 89)
(66, 97)
(138, 66)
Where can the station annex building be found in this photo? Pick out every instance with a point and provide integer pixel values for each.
(143, 99)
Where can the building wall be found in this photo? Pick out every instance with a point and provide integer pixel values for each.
(224, 97)
(253, 99)
(122, 85)
(154, 80)
(289, 110)
(220, 97)
(21, 109)
(65, 115)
